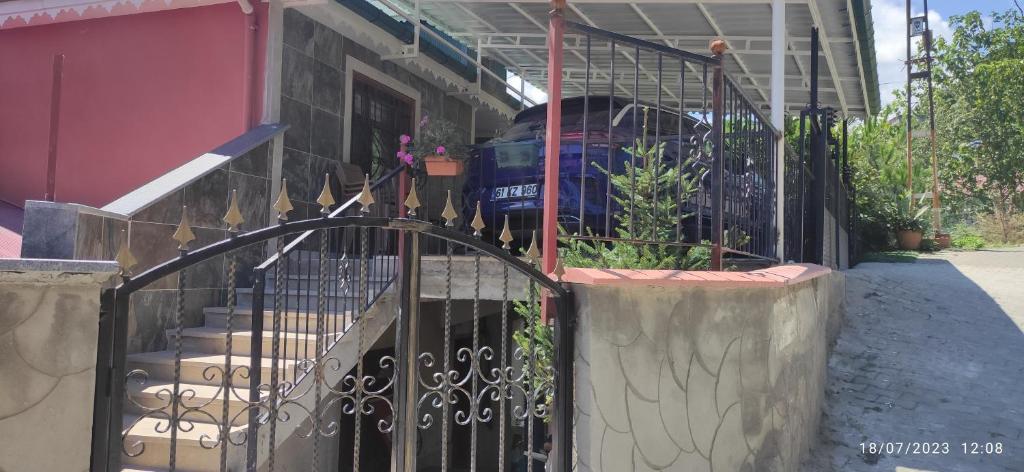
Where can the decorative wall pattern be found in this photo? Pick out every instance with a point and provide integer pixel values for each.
(48, 329)
(701, 379)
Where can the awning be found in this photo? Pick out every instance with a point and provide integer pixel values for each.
(514, 32)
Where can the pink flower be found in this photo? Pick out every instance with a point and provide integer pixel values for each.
(405, 139)
(440, 150)
(405, 157)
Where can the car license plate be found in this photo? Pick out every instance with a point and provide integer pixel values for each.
(515, 191)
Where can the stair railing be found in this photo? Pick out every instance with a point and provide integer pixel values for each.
(294, 270)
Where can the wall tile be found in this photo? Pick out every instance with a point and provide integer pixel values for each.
(53, 231)
(207, 199)
(166, 210)
(295, 168)
(327, 87)
(253, 199)
(326, 135)
(151, 244)
(209, 273)
(89, 237)
(114, 232)
(298, 31)
(153, 313)
(296, 75)
(298, 116)
(255, 162)
(317, 168)
(329, 46)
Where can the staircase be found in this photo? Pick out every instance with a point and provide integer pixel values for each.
(203, 359)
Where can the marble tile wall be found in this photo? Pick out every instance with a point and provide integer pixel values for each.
(207, 200)
(312, 102)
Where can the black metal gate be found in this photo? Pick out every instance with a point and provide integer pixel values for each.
(820, 213)
(356, 371)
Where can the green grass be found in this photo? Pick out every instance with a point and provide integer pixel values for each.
(890, 256)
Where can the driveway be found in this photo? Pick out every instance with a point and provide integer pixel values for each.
(928, 372)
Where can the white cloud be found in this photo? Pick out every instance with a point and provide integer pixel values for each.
(891, 42)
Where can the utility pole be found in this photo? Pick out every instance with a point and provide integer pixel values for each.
(918, 26)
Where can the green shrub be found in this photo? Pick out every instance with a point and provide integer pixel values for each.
(972, 242)
(966, 237)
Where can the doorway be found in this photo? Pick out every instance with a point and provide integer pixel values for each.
(380, 115)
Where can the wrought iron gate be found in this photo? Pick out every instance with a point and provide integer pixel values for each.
(324, 382)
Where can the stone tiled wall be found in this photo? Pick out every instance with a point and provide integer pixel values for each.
(689, 377)
(207, 200)
(312, 102)
(68, 231)
(48, 331)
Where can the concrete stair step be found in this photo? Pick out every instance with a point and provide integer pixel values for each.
(193, 449)
(304, 262)
(301, 299)
(208, 398)
(200, 367)
(214, 340)
(217, 317)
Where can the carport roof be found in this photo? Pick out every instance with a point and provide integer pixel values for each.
(513, 32)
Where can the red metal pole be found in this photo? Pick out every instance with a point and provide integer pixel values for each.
(552, 140)
(51, 155)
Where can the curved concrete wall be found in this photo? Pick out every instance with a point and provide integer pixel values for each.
(701, 371)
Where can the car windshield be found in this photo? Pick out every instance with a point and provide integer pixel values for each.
(529, 124)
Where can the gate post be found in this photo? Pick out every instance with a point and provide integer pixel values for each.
(403, 446)
(565, 335)
(553, 137)
(717, 150)
(256, 373)
(819, 165)
(101, 410)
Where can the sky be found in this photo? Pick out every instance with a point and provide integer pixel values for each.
(890, 32)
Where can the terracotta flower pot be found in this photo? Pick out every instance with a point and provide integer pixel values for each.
(909, 240)
(943, 240)
(442, 166)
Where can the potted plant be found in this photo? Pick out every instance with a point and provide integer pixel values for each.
(437, 148)
(909, 223)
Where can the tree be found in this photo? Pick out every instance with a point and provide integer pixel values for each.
(649, 194)
(979, 77)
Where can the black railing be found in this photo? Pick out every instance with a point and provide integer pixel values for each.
(293, 272)
(819, 219)
(750, 163)
(637, 162)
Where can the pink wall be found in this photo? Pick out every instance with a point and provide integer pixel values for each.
(141, 95)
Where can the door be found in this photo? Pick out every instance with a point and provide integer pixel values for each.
(380, 115)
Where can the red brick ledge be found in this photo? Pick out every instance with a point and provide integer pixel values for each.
(778, 276)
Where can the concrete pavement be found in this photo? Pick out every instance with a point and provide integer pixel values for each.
(928, 372)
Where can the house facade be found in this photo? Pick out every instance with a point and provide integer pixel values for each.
(108, 96)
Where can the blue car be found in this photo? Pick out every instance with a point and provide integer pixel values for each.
(506, 174)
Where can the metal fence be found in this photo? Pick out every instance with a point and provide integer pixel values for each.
(819, 217)
(637, 163)
(307, 382)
